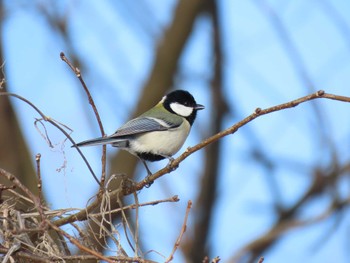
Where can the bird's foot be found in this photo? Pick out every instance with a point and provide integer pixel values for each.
(148, 181)
(170, 164)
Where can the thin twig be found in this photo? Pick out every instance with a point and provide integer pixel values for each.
(74, 258)
(35, 199)
(51, 213)
(77, 216)
(45, 136)
(57, 125)
(137, 225)
(97, 116)
(11, 250)
(38, 172)
(28, 257)
(183, 229)
(134, 206)
(214, 260)
(126, 224)
(4, 188)
(78, 244)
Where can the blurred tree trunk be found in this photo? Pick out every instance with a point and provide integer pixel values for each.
(196, 248)
(14, 154)
(160, 80)
(161, 77)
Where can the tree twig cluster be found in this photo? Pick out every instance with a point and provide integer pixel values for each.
(30, 230)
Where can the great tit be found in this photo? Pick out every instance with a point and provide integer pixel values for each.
(158, 133)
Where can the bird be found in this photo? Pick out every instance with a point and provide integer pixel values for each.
(157, 134)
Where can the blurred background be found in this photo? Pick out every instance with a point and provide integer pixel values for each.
(279, 187)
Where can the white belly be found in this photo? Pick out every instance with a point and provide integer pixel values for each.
(165, 143)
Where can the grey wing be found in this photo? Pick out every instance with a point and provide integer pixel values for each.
(142, 125)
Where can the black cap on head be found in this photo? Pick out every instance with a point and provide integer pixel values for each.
(181, 96)
(184, 98)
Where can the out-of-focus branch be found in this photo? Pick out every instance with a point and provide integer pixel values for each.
(196, 247)
(14, 153)
(27, 257)
(36, 200)
(339, 22)
(160, 79)
(288, 44)
(298, 65)
(254, 249)
(165, 64)
(286, 219)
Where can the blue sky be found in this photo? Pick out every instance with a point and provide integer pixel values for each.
(259, 72)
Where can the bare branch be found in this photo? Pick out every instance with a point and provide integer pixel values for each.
(258, 113)
(56, 124)
(37, 202)
(78, 244)
(38, 172)
(97, 115)
(183, 229)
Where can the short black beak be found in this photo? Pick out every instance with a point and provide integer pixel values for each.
(199, 107)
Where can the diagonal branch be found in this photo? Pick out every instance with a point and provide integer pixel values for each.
(54, 123)
(258, 112)
(97, 116)
(189, 151)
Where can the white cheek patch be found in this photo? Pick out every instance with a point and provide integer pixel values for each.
(181, 110)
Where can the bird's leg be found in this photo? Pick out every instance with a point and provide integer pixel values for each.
(147, 180)
(145, 164)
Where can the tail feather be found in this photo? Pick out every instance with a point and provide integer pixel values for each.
(97, 141)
